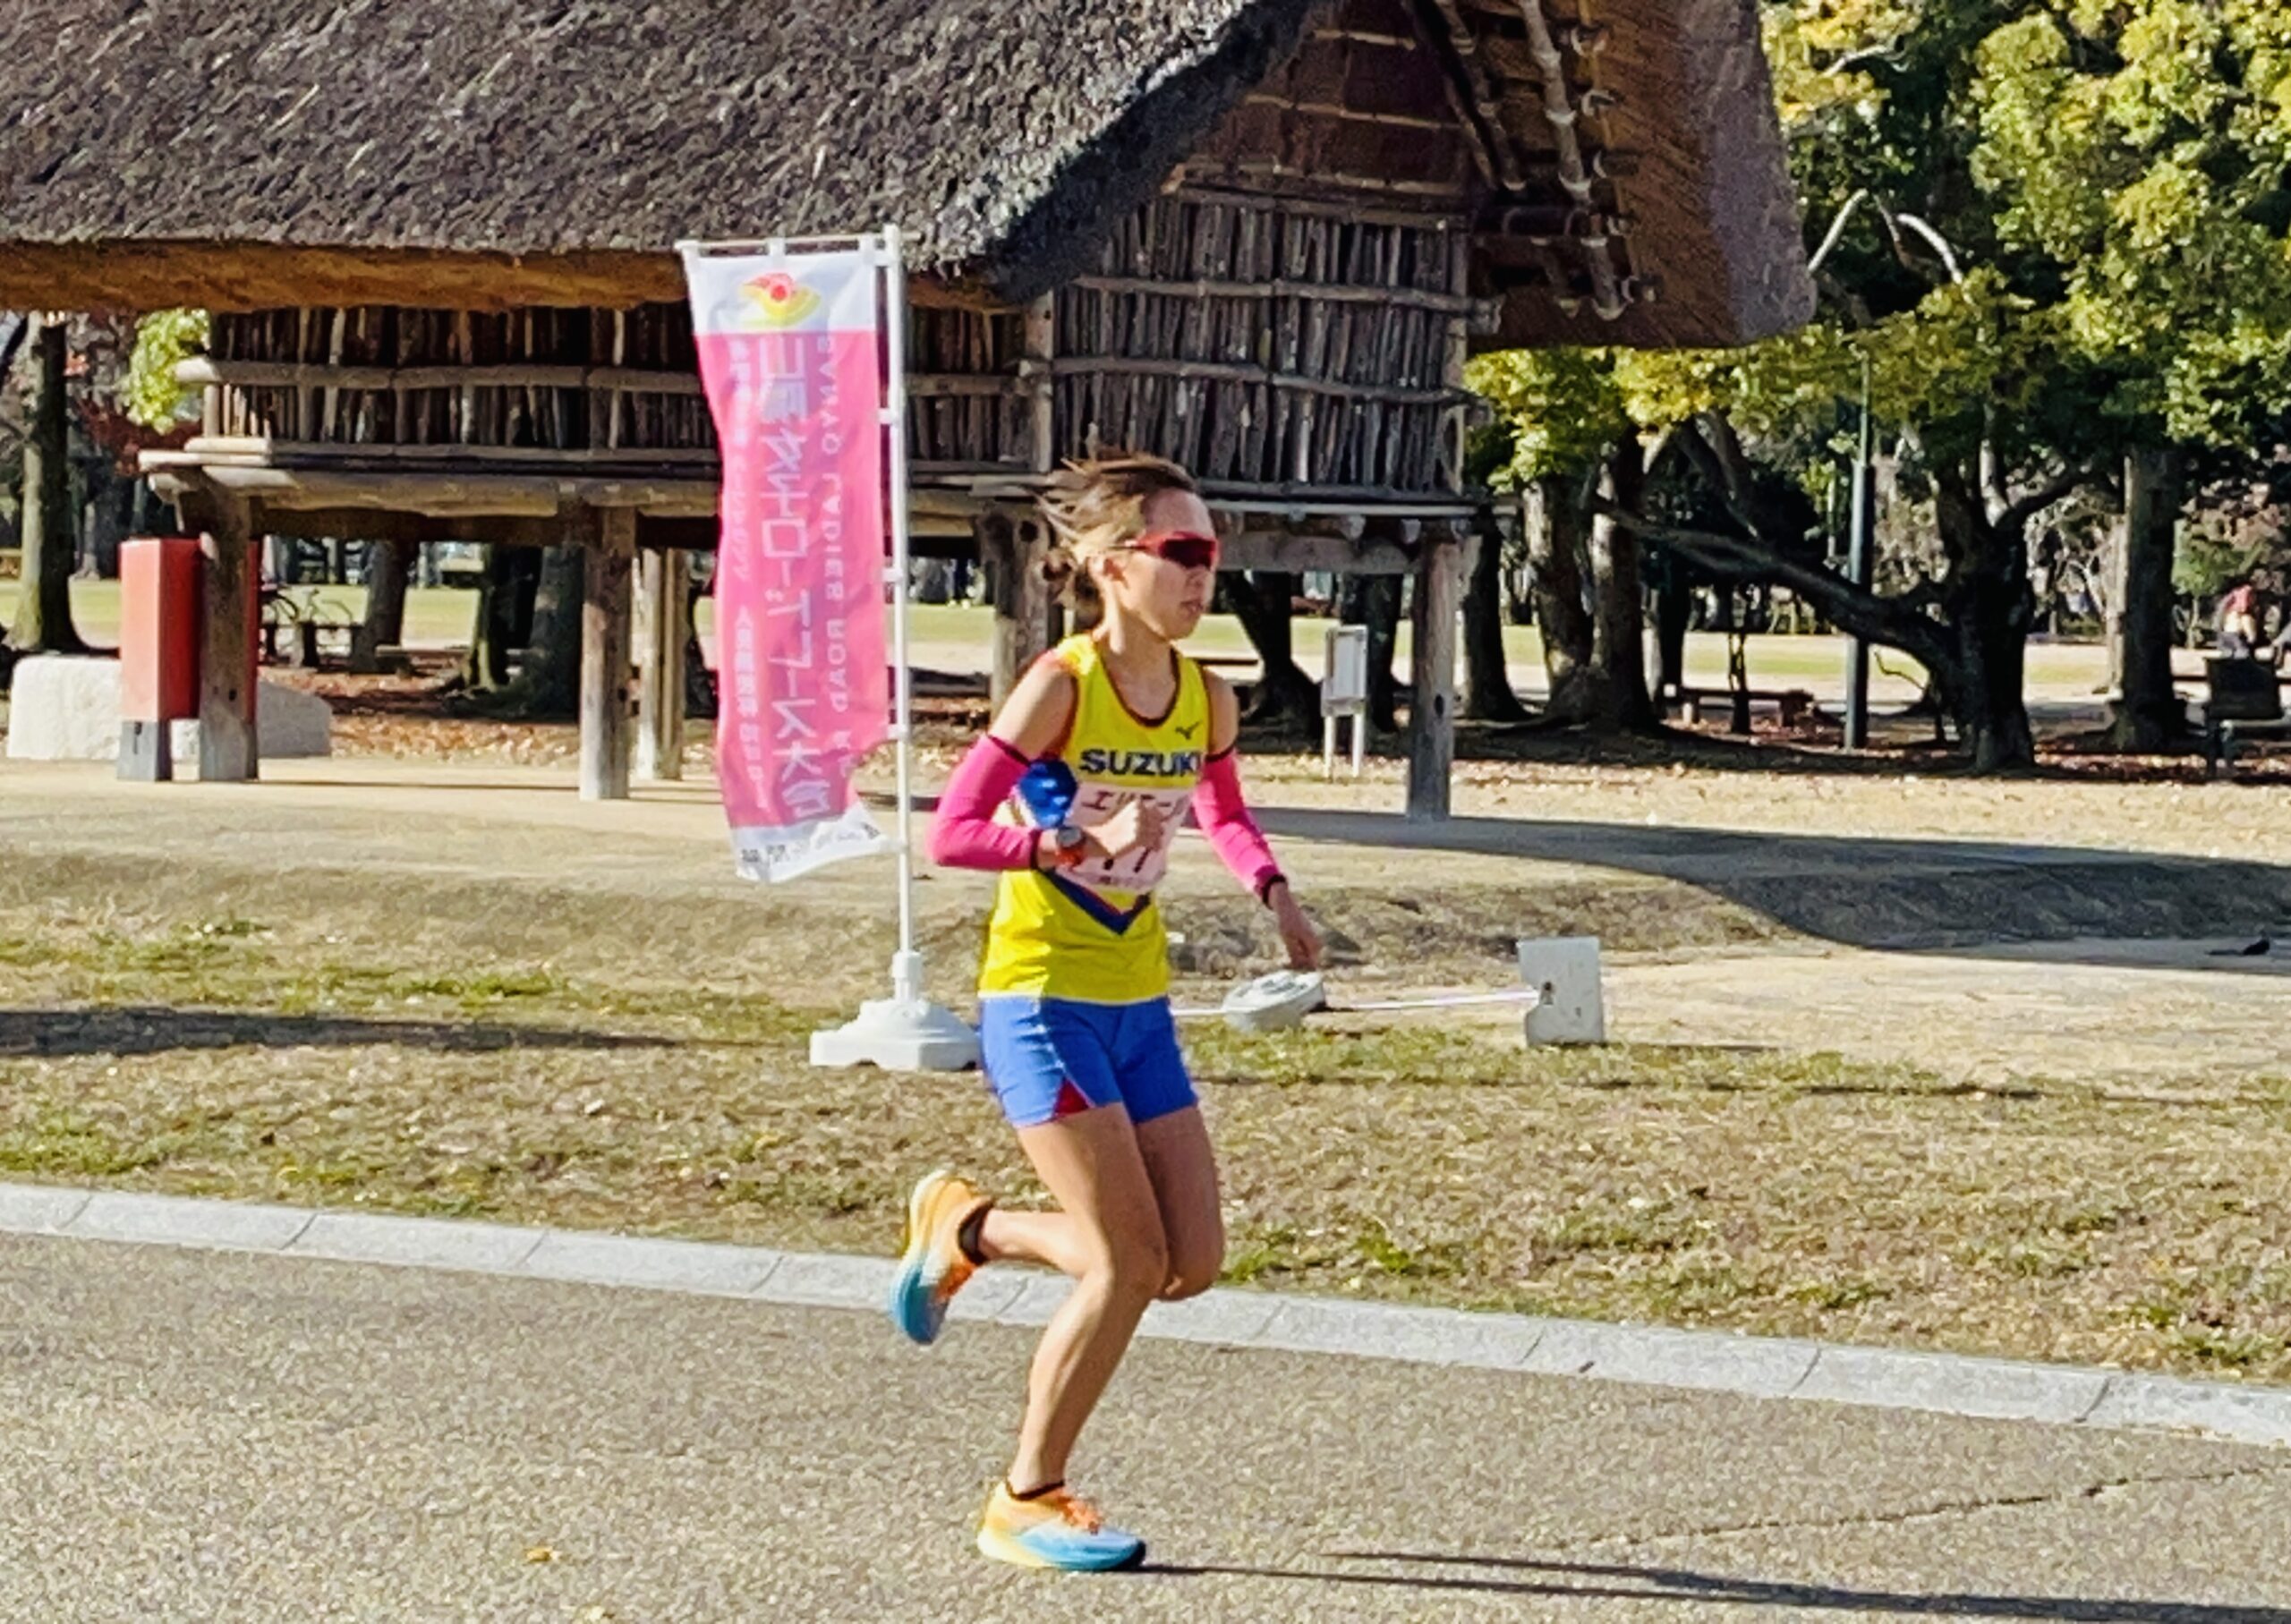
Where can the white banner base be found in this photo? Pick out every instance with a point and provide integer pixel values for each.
(897, 1035)
(905, 1032)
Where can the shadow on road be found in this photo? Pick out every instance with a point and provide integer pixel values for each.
(148, 1029)
(1886, 893)
(1610, 1581)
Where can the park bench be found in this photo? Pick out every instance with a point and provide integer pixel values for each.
(2243, 697)
(1795, 704)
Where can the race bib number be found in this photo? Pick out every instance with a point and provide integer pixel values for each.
(1140, 870)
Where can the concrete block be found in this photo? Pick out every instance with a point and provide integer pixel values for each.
(988, 1294)
(1386, 1331)
(2247, 1414)
(430, 1243)
(1764, 1367)
(65, 708)
(33, 1209)
(178, 1221)
(648, 1264)
(830, 1281)
(1039, 1297)
(1224, 1316)
(1995, 1389)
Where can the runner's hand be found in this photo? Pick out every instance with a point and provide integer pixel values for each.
(1297, 932)
(1140, 824)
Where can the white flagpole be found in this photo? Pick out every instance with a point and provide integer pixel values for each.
(904, 1031)
(907, 967)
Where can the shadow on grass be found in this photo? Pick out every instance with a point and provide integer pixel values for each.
(1610, 1581)
(146, 1029)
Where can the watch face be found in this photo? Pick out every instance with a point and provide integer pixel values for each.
(1070, 839)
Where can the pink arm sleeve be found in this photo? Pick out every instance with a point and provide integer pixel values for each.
(1224, 818)
(964, 834)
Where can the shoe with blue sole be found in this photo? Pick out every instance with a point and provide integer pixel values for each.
(932, 1267)
(1054, 1530)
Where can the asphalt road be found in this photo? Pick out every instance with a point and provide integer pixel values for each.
(209, 1437)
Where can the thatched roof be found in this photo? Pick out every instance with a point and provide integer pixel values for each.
(986, 127)
(263, 152)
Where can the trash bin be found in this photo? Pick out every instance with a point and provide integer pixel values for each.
(159, 604)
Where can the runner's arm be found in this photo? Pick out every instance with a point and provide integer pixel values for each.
(1218, 806)
(1032, 723)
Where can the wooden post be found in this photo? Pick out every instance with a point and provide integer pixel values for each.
(609, 537)
(229, 752)
(1016, 548)
(1432, 713)
(664, 576)
(1041, 345)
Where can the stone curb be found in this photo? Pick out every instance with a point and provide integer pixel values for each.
(1763, 1367)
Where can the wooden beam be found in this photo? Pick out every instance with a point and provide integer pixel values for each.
(1432, 713)
(1283, 552)
(609, 539)
(229, 750)
(149, 276)
(384, 524)
(452, 496)
(1334, 293)
(664, 576)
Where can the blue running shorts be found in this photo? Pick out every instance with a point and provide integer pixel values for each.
(1050, 1057)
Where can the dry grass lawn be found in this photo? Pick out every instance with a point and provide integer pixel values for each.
(350, 1056)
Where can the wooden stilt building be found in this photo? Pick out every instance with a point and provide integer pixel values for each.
(1259, 236)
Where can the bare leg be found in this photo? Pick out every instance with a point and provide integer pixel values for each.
(1052, 1240)
(1092, 1165)
(1183, 1168)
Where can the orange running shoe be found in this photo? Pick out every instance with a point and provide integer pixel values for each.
(1054, 1530)
(932, 1267)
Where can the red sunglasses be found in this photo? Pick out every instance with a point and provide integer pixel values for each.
(1188, 549)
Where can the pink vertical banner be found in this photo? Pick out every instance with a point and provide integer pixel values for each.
(789, 352)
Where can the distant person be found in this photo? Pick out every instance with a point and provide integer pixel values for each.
(2236, 625)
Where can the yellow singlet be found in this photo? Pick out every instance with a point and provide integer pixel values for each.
(1094, 933)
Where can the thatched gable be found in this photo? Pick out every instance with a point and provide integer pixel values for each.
(257, 153)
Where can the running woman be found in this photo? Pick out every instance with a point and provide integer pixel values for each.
(1075, 796)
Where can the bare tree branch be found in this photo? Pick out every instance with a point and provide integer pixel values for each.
(2065, 483)
(1901, 622)
(1837, 229)
(1940, 243)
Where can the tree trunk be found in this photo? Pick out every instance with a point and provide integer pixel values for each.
(387, 577)
(1261, 601)
(108, 519)
(1674, 611)
(1557, 533)
(1374, 601)
(1988, 610)
(1618, 669)
(2146, 715)
(548, 684)
(43, 623)
(1488, 695)
(504, 615)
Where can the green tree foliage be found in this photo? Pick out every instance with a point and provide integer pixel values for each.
(2053, 234)
(152, 396)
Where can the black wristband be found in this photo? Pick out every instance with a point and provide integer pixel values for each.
(1265, 887)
